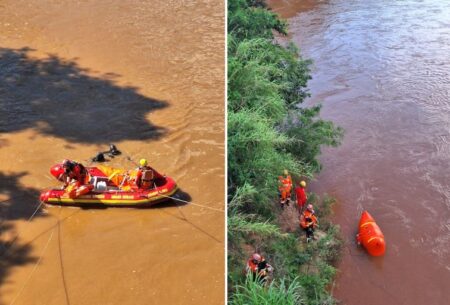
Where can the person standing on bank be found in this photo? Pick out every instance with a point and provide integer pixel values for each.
(300, 194)
(285, 187)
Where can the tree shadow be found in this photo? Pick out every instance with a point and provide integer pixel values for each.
(57, 97)
(21, 204)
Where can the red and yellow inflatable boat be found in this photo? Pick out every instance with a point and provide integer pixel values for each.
(370, 235)
(114, 187)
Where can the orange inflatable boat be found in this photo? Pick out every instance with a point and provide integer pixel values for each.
(370, 235)
(112, 186)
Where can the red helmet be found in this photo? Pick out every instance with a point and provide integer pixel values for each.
(57, 171)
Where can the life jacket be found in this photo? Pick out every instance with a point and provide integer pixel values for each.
(77, 172)
(261, 268)
(145, 177)
(285, 183)
(252, 266)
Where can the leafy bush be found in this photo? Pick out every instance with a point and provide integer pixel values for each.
(278, 292)
(268, 131)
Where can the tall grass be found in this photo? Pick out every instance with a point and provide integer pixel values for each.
(268, 131)
(278, 292)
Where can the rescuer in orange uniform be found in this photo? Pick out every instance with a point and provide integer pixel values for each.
(285, 187)
(301, 196)
(308, 222)
(258, 267)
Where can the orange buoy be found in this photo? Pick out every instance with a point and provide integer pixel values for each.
(370, 235)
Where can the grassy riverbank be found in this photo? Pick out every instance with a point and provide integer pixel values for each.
(268, 131)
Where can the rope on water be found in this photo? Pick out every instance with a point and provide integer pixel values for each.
(34, 268)
(196, 204)
(61, 258)
(17, 235)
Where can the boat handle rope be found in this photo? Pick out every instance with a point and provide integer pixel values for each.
(26, 226)
(188, 202)
(127, 156)
(34, 268)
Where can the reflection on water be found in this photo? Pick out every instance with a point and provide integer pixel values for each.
(381, 70)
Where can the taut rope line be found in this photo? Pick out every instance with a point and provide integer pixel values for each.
(196, 204)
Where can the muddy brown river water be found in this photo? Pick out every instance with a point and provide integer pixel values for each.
(382, 71)
(147, 76)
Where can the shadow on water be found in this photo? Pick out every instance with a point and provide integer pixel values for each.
(56, 97)
(21, 204)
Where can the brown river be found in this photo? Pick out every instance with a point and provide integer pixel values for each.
(382, 72)
(147, 76)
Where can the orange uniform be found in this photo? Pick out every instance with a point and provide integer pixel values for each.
(144, 177)
(76, 178)
(258, 267)
(308, 219)
(285, 187)
(308, 222)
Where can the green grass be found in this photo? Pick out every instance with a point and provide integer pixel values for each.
(267, 133)
(279, 292)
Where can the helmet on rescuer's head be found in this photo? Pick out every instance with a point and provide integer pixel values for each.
(256, 258)
(143, 162)
(57, 171)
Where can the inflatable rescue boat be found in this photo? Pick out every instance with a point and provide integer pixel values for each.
(370, 235)
(114, 187)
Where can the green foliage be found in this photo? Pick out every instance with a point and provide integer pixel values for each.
(279, 292)
(240, 223)
(311, 133)
(249, 19)
(254, 159)
(265, 77)
(315, 288)
(287, 255)
(268, 131)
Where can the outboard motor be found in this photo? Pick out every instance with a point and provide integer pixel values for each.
(113, 150)
(100, 157)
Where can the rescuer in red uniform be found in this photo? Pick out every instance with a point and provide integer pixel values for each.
(74, 171)
(258, 267)
(76, 178)
(301, 196)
